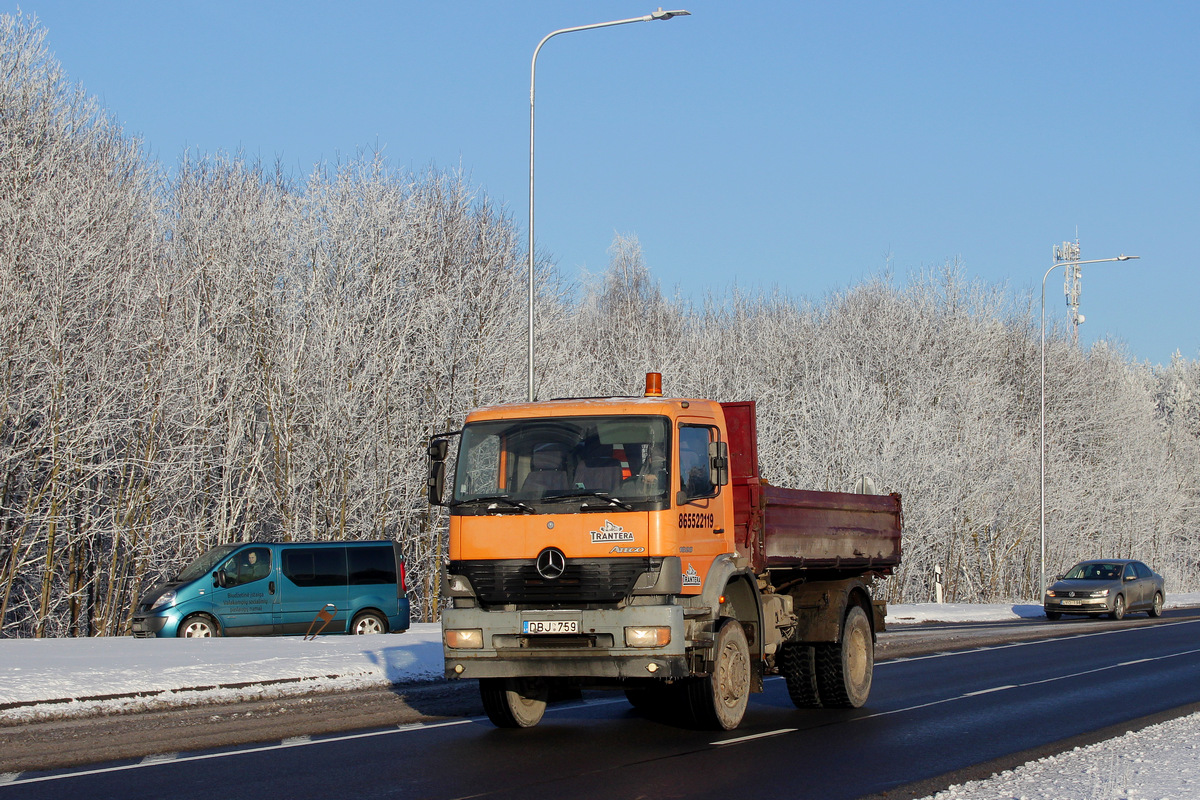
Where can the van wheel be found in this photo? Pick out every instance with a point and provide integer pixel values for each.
(718, 700)
(198, 626)
(368, 622)
(514, 702)
(845, 668)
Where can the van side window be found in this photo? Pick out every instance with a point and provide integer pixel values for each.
(315, 566)
(247, 566)
(371, 565)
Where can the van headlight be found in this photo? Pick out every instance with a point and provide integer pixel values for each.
(165, 599)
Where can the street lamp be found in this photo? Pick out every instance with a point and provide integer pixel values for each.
(1042, 435)
(660, 14)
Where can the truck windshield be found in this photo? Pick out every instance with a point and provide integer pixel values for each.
(205, 563)
(563, 459)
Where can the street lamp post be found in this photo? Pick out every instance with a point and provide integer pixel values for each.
(660, 14)
(1042, 434)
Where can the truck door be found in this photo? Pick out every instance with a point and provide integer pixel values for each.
(700, 512)
(246, 596)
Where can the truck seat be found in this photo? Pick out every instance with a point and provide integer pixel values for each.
(547, 470)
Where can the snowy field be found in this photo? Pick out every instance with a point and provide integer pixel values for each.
(54, 678)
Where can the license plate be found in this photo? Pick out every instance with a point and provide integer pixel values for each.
(551, 626)
(1072, 602)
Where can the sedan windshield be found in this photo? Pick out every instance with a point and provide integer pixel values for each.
(1094, 572)
(596, 463)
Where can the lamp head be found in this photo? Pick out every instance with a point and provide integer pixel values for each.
(660, 14)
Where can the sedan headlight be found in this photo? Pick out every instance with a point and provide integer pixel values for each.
(165, 599)
(1100, 593)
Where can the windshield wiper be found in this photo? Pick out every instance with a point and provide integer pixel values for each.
(498, 498)
(605, 496)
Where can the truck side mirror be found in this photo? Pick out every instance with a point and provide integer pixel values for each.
(435, 483)
(718, 459)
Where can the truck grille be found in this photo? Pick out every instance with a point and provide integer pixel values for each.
(606, 580)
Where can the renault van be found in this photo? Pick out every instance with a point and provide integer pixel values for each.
(271, 588)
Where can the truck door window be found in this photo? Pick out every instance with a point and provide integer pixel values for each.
(695, 474)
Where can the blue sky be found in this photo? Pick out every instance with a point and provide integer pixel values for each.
(791, 144)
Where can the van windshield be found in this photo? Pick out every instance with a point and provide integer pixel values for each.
(205, 563)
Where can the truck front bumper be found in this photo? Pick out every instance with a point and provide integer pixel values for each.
(597, 651)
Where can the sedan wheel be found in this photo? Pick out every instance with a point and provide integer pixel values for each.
(1156, 608)
(1118, 611)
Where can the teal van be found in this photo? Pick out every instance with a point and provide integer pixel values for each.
(272, 588)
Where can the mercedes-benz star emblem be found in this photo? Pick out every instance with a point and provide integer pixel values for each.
(551, 563)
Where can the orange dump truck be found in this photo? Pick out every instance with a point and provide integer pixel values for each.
(630, 543)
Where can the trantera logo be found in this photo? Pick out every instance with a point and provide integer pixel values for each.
(611, 533)
(551, 563)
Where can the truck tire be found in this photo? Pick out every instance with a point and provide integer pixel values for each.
(514, 702)
(798, 663)
(718, 700)
(845, 668)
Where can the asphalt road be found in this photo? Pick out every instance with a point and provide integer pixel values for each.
(935, 712)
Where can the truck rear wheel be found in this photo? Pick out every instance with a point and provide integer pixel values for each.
(845, 668)
(718, 700)
(798, 663)
(514, 702)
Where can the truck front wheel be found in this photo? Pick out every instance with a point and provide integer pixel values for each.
(844, 668)
(514, 702)
(718, 700)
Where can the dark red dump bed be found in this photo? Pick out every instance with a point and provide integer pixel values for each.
(777, 527)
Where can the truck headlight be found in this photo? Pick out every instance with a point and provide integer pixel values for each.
(655, 636)
(468, 639)
(165, 599)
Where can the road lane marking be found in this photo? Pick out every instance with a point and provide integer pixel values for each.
(227, 753)
(989, 691)
(160, 758)
(752, 736)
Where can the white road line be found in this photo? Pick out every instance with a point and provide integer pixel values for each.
(989, 691)
(229, 753)
(160, 758)
(779, 732)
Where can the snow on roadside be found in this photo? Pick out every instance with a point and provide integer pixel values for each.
(49, 678)
(1160, 761)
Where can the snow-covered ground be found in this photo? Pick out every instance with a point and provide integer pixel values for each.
(49, 678)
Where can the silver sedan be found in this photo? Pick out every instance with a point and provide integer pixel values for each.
(1111, 586)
